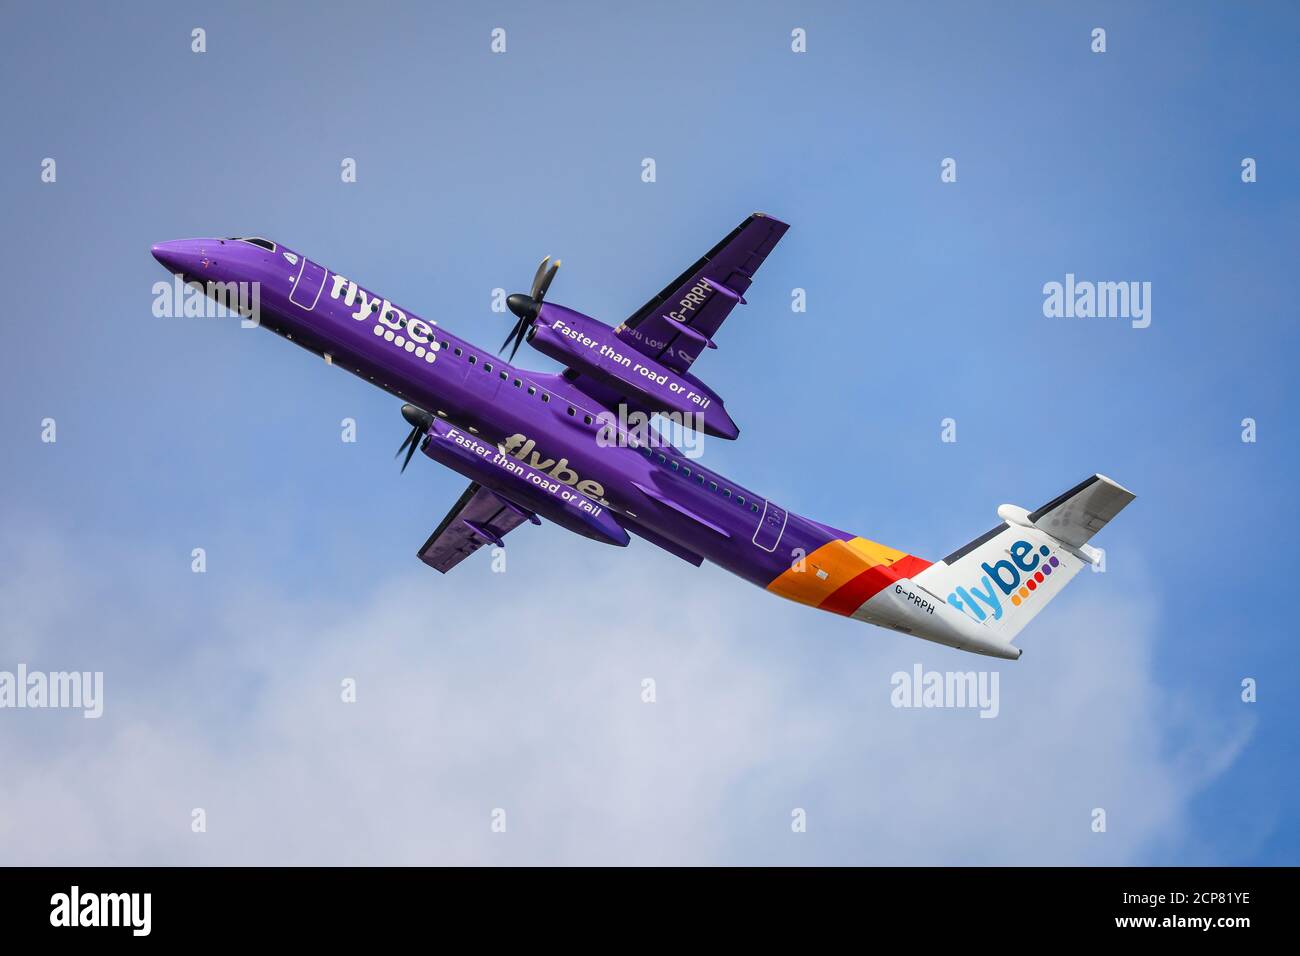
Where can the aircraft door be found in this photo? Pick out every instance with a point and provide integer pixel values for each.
(307, 287)
(771, 525)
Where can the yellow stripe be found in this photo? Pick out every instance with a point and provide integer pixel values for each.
(875, 553)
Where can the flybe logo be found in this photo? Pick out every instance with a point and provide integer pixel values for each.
(1016, 579)
(391, 323)
(523, 448)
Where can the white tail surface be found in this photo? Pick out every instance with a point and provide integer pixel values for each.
(1003, 578)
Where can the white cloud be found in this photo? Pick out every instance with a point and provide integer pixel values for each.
(522, 691)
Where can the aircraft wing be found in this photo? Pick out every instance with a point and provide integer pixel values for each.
(680, 322)
(480, 517)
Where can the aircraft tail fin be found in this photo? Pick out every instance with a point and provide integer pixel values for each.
(1006, 576)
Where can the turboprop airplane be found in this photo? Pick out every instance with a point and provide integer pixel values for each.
(573, 448)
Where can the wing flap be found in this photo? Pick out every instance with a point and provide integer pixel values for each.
(480, 517)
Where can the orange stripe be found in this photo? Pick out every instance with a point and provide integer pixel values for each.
(871, 582)
(838, 573)
(838, 560)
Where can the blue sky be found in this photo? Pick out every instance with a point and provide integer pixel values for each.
(522, 690)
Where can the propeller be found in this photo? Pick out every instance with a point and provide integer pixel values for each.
(419, 420)
(526, 307)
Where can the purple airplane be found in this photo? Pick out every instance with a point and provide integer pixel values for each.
(577, 449)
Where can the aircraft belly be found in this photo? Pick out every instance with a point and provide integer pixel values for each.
(905, 606)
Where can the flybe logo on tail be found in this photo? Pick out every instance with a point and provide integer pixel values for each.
(1016, 579)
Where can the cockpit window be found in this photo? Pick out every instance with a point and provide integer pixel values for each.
(266, 244)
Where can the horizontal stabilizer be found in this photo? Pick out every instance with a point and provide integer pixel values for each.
(1081, 512)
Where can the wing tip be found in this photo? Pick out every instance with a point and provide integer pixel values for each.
(1112, 481)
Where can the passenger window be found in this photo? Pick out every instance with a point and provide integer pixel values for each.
(517, 383)
(458, 350)
(686, 471)
(713, 486)
(726, 492)
(740, 499)
(531, 390)
(504, 376)
(586, 419)
(700, 480)
(473, 359)
(571, 411)
(673, 466)
(545, 397)
(753, 507)
(662, 459)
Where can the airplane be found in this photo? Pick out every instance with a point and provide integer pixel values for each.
(571, 447)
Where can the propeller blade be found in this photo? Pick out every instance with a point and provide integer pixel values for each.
(539, 293)
(537, 277)
(405, 441)
(415, 443)
(419, 420)
(514, 331)
(526, 307)
(518, 342)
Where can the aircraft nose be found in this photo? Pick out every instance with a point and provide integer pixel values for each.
(179, 255)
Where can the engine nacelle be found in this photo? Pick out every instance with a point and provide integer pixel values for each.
(591, 347)
(521, 484)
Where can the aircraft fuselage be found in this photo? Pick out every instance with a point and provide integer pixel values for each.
(555, 429)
